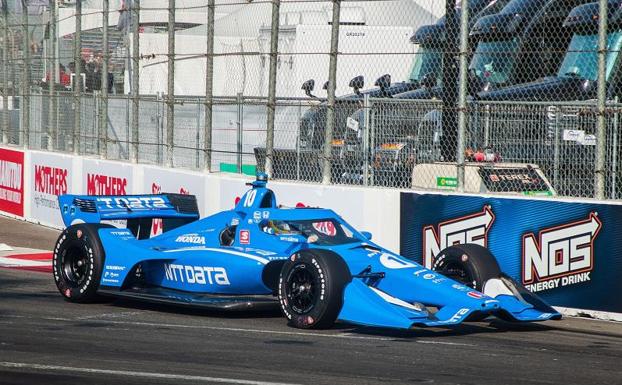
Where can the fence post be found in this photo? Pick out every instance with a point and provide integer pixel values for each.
(599, 175)
(103, 123)
(462, 92)
(240, 102)
(614, 146)
(366, 132)
(135, 78)
(449, 140)
(77, 81)
(274, 48)
(170, 91)
(209, 87)
(332, 83)
(4, 132)
(51, 76)
(25, 99)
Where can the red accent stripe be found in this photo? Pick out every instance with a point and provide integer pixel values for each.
(39, 269)
(46, 256)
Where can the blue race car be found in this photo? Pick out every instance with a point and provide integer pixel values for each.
(308, 261)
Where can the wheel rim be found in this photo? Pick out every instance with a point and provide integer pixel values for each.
(458, 272)
(75, 266)
(301, 289)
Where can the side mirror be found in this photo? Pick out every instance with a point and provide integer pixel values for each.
(429, 80)
(357, 83)
(383, 82)
(308, 86)
(325, 86)
(366, 234)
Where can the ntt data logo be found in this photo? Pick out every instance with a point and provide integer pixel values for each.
(472, 228)
(560, 256)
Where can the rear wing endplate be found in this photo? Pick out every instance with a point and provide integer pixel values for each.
(94, 209)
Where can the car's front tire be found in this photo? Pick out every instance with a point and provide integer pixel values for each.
(311, 287)
(78, 262)
(469, 264)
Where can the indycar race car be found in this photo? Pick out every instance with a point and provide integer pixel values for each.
(308, 261)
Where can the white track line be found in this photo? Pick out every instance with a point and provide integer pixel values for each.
(127, 373)
(16, 262)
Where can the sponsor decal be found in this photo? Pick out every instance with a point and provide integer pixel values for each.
(429, 276)
(560, 255)
(97, 184)
(458, 316)
(133, 203)
(475, 294)
(115, 267)
(257, 216)
(472, 228)
(326, 228)
(459, 287)
(191, 238)
(200, 275)
(12, 182)
(50, 180)
(446, 181)
(245, 237)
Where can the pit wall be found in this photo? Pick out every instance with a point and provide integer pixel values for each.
(568, 251)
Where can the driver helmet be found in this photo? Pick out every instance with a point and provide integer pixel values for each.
(276, 227)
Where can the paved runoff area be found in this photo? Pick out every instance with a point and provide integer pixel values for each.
(47, 340)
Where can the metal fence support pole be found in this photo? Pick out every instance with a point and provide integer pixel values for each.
(449, 140)
(239, 147)
(135, 78)
(51, 76)
(274, 48)
(197, 144)
(25, 100)
(209, 87)
(77, 81)
(332, 80)
(103, 123)
(557, 148)
(462, 93)
(599, 175)
(614, 151)
(4, 133)
(366, 152)
(170, 91)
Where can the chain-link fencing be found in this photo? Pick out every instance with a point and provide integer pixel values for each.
(485, 96)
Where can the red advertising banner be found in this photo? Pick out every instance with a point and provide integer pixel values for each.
(12, 182)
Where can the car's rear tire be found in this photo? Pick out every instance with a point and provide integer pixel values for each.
(311, 287)
(78, 262)
(469, 264)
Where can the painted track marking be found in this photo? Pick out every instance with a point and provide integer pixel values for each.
(127, 373)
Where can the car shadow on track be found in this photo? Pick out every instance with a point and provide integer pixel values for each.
(488, 327)
(194, 311)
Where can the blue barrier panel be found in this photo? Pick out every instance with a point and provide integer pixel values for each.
(569, 253)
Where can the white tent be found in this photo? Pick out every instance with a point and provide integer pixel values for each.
(242, 41)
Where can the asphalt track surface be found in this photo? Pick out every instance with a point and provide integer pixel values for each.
(46, 340)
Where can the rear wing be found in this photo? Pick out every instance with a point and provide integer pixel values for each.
(94, 209)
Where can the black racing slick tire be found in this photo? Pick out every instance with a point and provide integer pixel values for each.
(78, 262)
(311, 288)
(469, 264)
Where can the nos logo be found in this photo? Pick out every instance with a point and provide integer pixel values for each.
(472, 228)
(560, 250)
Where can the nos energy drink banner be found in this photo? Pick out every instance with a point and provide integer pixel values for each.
(568, 253)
